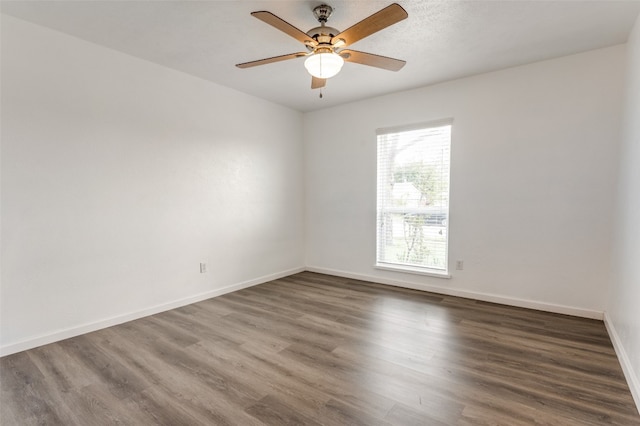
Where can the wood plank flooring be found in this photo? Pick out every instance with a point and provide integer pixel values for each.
(312, 349)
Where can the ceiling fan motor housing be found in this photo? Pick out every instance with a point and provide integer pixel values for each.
(323, 31)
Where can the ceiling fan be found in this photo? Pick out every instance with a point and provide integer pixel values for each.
(326, 51)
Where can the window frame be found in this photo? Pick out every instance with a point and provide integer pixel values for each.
(400, 267)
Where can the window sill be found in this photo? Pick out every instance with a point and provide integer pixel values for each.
(411, 270)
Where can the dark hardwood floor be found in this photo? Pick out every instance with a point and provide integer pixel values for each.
(312, 349)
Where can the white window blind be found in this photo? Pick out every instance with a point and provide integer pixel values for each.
(413, 196)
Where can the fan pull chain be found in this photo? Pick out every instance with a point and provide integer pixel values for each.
(320, 93)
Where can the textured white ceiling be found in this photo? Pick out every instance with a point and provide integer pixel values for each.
(441, 40)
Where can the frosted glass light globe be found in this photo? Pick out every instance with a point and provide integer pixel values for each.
(324, 65)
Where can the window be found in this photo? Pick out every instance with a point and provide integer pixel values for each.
(413, 197)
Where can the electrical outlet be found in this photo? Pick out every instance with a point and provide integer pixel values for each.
(459, 265)
(203, 268)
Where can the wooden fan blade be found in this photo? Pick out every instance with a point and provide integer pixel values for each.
(317, 83)
(374, 23)
(271, 60)
(285, 27)
(372, 60)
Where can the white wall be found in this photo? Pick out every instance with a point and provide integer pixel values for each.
(623, 315)
(120, 176)
(534, 155)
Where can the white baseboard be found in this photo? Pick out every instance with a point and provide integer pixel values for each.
(119, 319)
(485, 297)
(632, 378)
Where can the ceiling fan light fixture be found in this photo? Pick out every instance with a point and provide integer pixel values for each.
(324, 65)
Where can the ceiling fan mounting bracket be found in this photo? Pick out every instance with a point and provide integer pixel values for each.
(323, 34)
(322, 13)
